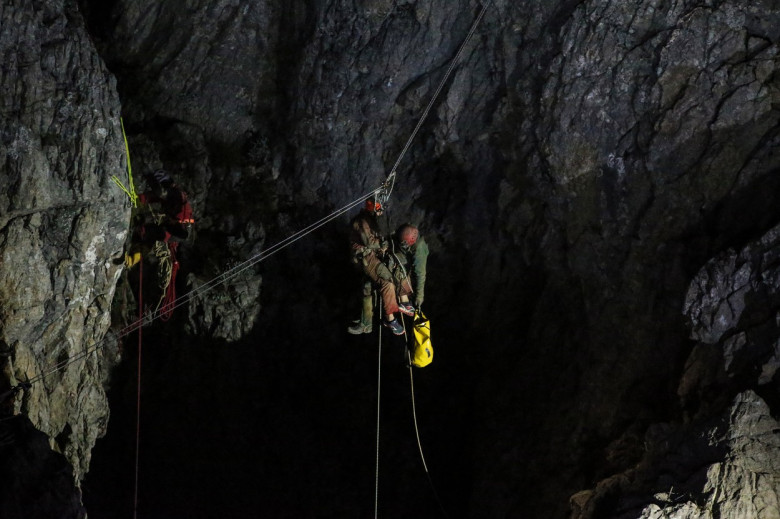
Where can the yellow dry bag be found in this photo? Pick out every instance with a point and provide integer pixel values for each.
(422, 351)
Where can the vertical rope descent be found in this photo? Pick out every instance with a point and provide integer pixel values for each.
(138, 400)
(387, 187)
(384, 190)
(378, 409)
(417, 432)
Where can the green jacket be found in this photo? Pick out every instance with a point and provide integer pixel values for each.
(415, 261)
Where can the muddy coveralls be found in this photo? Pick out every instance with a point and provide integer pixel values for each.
(367, 248)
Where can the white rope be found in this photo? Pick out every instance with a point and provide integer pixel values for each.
(391, 175)
(414, 412)
(417, 432)
(205, 288)
(385, 189)
(378, 410)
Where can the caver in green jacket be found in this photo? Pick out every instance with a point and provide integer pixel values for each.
(412, 252)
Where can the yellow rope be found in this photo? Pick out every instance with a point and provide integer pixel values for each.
(129, 191)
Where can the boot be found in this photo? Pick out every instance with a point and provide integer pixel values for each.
(367, 314)
(396, 327)
(364, 325)
(406, 308)
(359, 328)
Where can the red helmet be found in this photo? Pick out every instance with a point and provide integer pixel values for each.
(408, 235)
(373, 206)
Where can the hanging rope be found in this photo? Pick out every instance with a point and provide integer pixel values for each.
(414, 411)
(385, 190)
(193, 294)
(417, 433)
(387, 187)
(378, 412)
(138, 384)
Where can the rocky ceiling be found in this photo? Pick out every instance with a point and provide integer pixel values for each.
(598, 185)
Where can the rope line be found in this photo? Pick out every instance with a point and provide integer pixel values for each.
(201, 290)
(378, 410)
(386, 188)
(391, 175)
(138, 400)
(417, 432)
(414, 412)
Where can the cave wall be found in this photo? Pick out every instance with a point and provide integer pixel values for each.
(581, 165)
(643, 99)
(62, 222)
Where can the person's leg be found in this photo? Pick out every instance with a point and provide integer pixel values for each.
(405, 307)
(387, 292)
(379, 273)
(365, 323)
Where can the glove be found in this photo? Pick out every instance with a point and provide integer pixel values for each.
(418, 301)
(132, 260)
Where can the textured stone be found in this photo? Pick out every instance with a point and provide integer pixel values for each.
(583, 162)
(745, 484)
(62, 222)
(737, 350)
(732, 304)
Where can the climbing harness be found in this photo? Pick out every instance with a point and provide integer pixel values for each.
(129, 190)
(166, 310)
(166, 278)
(168, 265)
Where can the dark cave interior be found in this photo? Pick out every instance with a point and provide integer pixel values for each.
(598, 186)
(284, 421)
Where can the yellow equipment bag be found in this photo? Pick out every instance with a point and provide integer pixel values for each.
(422, 351)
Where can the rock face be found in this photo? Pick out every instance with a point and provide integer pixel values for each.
(725, 468)
(592, 177)
(62, 221)
(721, 461)
(745, 483)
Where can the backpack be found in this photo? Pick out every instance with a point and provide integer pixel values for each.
(422, 349)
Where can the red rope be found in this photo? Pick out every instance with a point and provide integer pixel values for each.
(138, 401)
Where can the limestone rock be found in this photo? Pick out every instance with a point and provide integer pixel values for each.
(733, 304)
(582, 163)
(746, 484)
(62, 223)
